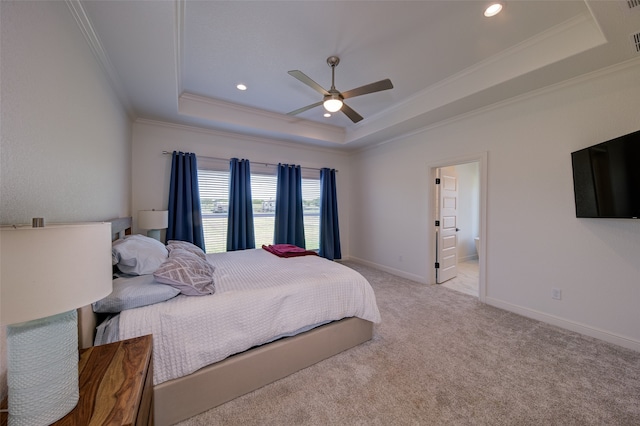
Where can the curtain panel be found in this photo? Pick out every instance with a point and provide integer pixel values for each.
(185, 214)
(289, 225)
(240, 231)
(329, 229)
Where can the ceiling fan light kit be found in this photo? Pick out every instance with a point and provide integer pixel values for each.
(332, 103)
(333, 99)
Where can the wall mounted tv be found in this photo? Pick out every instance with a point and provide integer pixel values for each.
(606, 178)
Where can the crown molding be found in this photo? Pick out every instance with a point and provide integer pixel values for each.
(582, 27)
(90, 35)
(239, 136)
(581, 79)
(179, 44)
(569, 38)
(216, 110)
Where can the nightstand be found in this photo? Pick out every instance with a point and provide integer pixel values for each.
(116, 385)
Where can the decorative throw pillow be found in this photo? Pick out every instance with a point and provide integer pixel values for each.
(185, 245)
(129, 293)
(138, 254)
(187, 272)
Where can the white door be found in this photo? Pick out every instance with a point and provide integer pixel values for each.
(447, 245)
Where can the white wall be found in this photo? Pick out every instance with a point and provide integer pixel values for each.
(534, 241)
(151, 168)
(65, 137)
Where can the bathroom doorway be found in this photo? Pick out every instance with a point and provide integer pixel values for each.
(470, 175)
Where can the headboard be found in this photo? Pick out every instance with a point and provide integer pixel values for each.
(120, 227)
(87, 319)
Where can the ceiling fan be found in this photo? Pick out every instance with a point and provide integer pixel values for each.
(333, 99)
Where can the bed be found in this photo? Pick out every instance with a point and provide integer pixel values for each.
(191, 387)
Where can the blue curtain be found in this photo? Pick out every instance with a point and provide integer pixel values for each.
(289, 226)
(185, 214)
(240, 233)
(329, 230)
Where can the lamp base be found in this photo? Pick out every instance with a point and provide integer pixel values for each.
(154, 233)
(42, 369)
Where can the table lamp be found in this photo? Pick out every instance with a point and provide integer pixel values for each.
(46, 272)
(153, 221)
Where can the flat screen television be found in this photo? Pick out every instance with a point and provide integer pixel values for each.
(606, 178)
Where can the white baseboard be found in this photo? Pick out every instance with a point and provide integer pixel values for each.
(584, 329)
(587, 330)
(392, 271)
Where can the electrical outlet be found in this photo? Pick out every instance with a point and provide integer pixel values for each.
(556, 293)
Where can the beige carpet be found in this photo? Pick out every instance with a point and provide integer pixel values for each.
(440, 357)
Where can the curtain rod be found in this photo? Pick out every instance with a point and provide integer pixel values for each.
(228, 159)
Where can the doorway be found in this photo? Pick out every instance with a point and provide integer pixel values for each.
(458, 234)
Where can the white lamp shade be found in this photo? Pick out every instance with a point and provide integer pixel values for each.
(153, 219)
(53, 269)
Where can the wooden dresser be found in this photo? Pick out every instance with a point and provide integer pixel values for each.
(116, 385)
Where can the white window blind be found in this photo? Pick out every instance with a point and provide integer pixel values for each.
(263, 194)
(311, 209)
(214, 198)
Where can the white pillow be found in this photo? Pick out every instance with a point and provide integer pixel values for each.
(129, 293)
(138, 255)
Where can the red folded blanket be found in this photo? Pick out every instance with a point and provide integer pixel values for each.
(288, 250)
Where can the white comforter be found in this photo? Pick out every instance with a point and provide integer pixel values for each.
(258, 297)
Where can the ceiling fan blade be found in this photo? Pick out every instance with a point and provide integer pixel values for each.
(306, 80)
(354, 116)
(378, 86)
(303, 109)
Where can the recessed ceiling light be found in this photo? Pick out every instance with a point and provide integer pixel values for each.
(326, 114)
(493, 9)
(241, 87)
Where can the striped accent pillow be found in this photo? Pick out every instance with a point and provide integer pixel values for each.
(188, 272)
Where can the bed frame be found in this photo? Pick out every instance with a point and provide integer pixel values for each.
(181, 398)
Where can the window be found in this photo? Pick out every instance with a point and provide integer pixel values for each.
(311, 211)
(214, 198)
